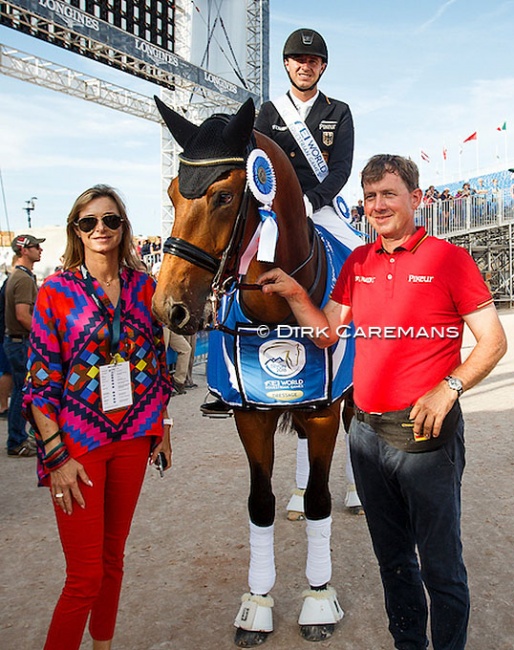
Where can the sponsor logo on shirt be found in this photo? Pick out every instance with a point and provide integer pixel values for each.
(327, 125)
(367, 279)
(421, 278)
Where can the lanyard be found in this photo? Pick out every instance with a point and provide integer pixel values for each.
(114, 325)
(27, 271)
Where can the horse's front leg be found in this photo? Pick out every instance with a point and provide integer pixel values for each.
(321, 610)
(254, 620)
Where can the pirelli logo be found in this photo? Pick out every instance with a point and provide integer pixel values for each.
(421, 278)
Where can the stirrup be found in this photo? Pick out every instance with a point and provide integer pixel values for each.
(255, 613)
(320, 607)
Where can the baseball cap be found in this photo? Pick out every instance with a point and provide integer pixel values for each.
(22, 241)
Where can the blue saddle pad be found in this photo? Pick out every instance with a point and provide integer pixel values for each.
(256, 366)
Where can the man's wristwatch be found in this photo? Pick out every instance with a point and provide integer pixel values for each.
(455, 384)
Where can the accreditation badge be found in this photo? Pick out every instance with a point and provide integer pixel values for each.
(115, 386)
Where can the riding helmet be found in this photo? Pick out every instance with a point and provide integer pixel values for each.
(306, 41)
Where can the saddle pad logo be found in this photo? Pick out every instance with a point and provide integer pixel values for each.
(282, 358)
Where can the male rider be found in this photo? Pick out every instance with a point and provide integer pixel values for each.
(330, 124)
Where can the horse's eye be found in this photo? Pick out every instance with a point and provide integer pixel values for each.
(224, 198)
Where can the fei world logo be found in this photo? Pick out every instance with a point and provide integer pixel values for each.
(282, 358)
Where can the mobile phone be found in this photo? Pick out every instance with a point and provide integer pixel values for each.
(161, 463)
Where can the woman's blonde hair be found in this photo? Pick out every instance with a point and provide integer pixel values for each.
(74, 254)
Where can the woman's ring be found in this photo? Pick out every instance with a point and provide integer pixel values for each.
(59, 496)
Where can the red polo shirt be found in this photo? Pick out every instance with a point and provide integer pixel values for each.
(407, 310)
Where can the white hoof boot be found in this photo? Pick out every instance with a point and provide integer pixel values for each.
(295, 509)
(320, 607)
(255, 613)
(351, 499)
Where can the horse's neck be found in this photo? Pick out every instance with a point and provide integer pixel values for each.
(294, 245)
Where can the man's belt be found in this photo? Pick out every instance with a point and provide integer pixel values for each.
(395, 428)
(18, 339)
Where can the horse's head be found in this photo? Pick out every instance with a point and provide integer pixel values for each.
(206, 196)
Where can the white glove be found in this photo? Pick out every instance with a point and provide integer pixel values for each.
(309, 210)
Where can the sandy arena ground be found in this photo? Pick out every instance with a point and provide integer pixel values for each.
(187, 555)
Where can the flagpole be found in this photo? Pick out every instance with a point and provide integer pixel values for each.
(476, 152)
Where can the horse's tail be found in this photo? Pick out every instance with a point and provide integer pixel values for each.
(285, 423)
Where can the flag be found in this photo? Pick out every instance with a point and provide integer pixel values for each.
(425, 156)
(503, 127)
(445, 153)
(473, 136)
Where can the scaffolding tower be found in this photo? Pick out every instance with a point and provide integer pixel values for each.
(189, 90)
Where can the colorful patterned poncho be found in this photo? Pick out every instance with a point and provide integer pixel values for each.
(70, 341)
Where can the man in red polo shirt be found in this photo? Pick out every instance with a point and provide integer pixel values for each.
(409, 296)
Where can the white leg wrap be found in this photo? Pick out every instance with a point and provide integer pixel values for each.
(319, 563)
(255, 613)
(296, 501)
(302, 464)
(320, 607)
(261, 574)
(351, 499)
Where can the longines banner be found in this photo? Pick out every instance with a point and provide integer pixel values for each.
(91, 27)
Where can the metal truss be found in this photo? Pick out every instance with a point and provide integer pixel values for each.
(194, 101)
(36, 70)
(257, 47)
(493, 251)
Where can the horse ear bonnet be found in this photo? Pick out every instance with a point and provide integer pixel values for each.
(211, 149)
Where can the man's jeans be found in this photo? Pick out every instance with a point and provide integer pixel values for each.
(413, 500)
(17, 354)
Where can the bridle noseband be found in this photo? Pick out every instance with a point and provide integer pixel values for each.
(191, 253)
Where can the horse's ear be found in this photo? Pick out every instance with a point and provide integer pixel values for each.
(240, 127)
(180, 128)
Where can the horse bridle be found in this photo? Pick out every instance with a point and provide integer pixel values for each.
(222, 280)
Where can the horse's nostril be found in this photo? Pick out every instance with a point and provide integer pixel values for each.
(179, 316)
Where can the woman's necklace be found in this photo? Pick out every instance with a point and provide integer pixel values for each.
(107, 282)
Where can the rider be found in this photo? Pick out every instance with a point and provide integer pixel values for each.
(329, 121)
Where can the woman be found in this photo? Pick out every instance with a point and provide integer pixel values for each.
(96, 394)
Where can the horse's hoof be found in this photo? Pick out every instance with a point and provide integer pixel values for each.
(317, 632)
(249, 639)
(356, 510)
(294, 515)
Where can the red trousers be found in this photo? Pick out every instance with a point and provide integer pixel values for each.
(93, 540)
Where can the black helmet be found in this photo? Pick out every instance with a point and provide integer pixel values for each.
(306, 41)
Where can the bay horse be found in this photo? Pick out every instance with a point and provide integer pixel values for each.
(215, 220)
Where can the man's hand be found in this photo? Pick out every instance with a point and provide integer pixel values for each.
(278, 281)
(431, 408)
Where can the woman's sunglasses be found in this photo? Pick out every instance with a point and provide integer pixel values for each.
(87, 224)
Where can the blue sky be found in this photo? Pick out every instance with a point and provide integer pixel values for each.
(417, 76)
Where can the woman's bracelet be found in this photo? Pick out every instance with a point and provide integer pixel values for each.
(54, 463)
(52, 437)
(168, 421)
(53, 451)
(56, 457)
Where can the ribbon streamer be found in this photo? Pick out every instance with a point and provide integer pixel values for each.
(268, 236)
